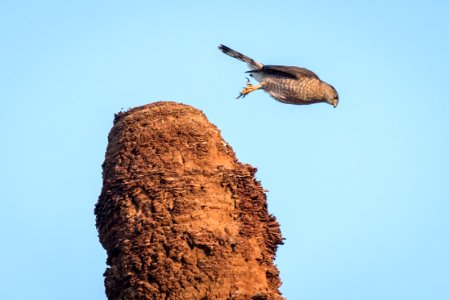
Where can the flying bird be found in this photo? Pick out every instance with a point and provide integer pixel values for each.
(287, 84)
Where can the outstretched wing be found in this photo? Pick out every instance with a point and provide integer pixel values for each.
(252, 64)
(285, 71)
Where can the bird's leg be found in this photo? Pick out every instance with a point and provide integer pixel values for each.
(248, 88)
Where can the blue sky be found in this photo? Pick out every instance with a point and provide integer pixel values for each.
(361, 191)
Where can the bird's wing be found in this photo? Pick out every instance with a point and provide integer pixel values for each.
(252, 64)
(286, 71)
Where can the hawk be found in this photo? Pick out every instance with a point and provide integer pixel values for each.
(287, 84)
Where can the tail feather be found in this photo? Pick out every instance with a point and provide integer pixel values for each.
(252, 64)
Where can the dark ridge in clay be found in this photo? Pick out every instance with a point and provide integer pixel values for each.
(179, 216)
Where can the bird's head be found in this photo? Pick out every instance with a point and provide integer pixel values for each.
(331, 95)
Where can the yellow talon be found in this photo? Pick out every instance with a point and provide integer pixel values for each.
(248, 88)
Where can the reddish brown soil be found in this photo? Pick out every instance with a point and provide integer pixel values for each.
(179, 216)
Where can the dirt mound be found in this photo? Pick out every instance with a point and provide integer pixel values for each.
(179, 216)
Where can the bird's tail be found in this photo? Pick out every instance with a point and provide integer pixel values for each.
(252, 64)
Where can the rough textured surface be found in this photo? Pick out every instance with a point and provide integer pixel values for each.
(179, 216)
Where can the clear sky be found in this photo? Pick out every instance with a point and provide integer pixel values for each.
(361, 191)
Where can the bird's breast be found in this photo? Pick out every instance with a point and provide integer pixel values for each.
(303, 90)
